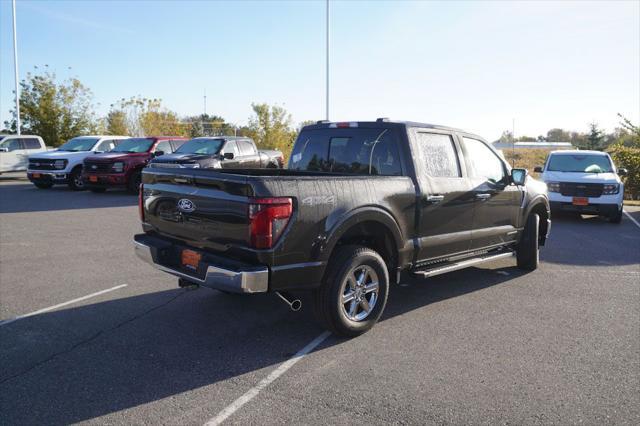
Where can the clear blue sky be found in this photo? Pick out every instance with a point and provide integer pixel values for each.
(474, 65)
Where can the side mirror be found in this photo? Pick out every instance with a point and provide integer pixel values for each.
(158, 153)
(228, 156)
(622, 172)
(537, 169)
(519, 176)
(4, 149)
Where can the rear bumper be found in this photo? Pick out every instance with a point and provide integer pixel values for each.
(234, 277)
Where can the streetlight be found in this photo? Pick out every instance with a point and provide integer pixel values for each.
(15, 63)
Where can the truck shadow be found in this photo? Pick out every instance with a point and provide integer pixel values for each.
(25, 197)
(89, 361)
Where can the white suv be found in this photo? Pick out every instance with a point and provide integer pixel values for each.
(14, 150)
(64, 165)
(584, 182)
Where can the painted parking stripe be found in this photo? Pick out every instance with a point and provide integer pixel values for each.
(60, 305)
(254, 391)
(632, 219)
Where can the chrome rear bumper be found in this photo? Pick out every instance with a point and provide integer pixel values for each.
(255, 280)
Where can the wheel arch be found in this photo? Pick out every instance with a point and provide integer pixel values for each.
(540, 205)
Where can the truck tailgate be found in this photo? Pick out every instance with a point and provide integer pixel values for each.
(201, 207)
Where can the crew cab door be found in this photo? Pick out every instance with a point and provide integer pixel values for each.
(496, 200)
(230, 147)
(249, 155)
(445, 202)
(14, 154)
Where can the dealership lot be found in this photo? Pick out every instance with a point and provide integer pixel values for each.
(484, 345)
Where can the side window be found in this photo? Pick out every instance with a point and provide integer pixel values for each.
(485, 163)
(438, 155)
(163, 146)
(106, 145)
(246, 148)
(31, 143)
(364, 156)
(230, 147)
(14, 145)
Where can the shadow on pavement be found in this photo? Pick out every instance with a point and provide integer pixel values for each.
(25, 197)
(81, 363)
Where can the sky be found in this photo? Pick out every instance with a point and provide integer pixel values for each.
(473, 65)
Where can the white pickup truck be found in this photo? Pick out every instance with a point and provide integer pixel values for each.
(14, 150)
(585, 182)
(64, 165)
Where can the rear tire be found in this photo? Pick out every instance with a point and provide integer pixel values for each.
(617, 217)
(41, 185)
(353, 293)
(75, 180)
(528, 250)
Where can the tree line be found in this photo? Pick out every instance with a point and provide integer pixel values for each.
(60, 110)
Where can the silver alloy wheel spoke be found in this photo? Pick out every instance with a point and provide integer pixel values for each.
(372, 286)
(348, 297)
(353, 309)
(365, 305)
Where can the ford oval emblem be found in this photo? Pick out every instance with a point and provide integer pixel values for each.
(186, 205)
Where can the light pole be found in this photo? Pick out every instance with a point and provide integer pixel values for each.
(15, 63)
(327, 71)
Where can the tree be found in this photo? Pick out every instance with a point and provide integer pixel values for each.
(270, 128)
(626, 154)
(57, 111)
(506, 137)
(558, 135)
(595, 136)
(197, 130)
(147, 117)
(116, 123)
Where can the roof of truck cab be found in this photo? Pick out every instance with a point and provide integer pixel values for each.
(392, 123)
(4, 135)
(577, 152)
(227, 138)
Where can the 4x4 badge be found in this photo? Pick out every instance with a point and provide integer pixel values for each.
(186, 205)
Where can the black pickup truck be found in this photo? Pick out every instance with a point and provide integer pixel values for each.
(359, 204)
(221, 152)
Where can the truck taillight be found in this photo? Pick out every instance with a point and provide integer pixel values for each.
(141, 202)
(268, 217)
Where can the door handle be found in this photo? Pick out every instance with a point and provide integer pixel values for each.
(434, 199)
(483, 196)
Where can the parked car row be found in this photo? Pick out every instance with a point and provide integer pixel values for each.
(101, 162)
(15, 150)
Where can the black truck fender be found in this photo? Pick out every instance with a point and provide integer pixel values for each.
(538, 204)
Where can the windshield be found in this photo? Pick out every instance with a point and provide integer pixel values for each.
(583, 163)
(201, 146)
(79, 144)
(134, 145)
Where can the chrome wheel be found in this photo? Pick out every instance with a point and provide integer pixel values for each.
(359, 293)
(77, 180)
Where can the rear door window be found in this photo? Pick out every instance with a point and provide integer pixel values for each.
(246, 148)
(360, 151)
(164, 146)
(438, 155)
(230, 147)
(31, 143)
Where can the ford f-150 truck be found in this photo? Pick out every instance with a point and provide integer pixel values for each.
(221, 152)
(64, 165)
(584, 182)
(122, 166)
(360, 203)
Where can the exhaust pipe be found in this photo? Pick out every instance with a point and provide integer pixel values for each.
(294, 304)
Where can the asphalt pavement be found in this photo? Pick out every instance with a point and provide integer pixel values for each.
(486, 345)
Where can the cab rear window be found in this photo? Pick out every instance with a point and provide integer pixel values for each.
(358, 151)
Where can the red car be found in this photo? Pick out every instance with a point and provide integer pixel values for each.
(122, 166)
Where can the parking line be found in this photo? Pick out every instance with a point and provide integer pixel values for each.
(60, 305)
(632, 219)
(254, 391)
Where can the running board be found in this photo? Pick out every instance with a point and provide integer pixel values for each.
(463, 264)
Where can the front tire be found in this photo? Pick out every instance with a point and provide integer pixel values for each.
(75, 179)
(134, 182)
(528, 250)
(617, 217)
(353, 293)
